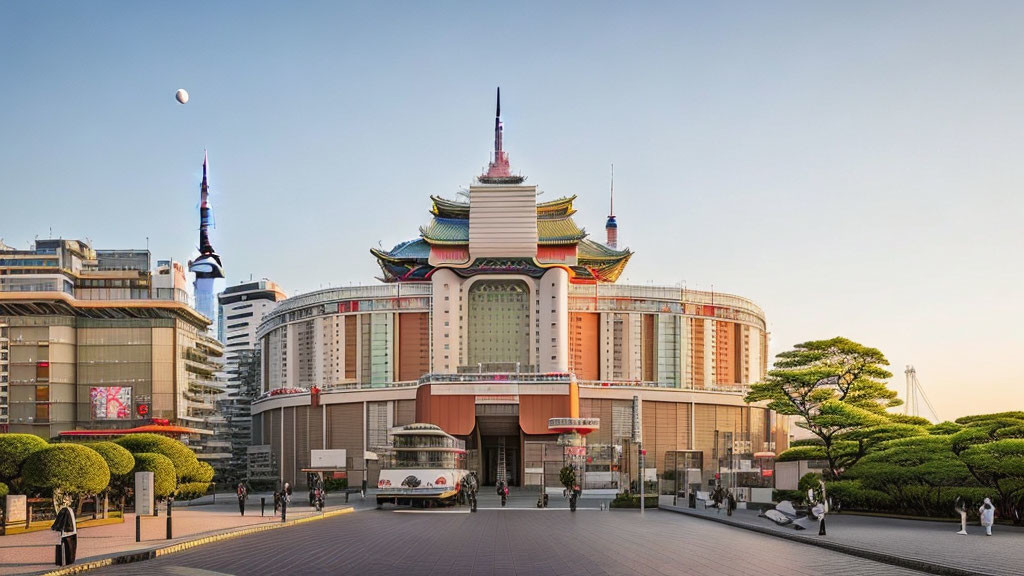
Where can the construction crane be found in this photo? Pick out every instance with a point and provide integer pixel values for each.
(915, 394)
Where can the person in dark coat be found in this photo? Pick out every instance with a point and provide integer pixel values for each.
(243, 494)
(67, 547)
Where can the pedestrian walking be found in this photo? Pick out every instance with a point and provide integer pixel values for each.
(67, 542)
(988, 516)
(243, 494)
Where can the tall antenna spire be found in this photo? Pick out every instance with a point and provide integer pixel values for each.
(498, 171)
(611, 227)
(611, 202)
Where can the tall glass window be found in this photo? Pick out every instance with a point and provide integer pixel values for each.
(499, 322)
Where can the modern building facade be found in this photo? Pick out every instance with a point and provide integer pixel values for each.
(96, 341)
(241, 309)
(501, 315)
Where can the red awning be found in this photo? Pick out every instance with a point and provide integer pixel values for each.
(149, 428)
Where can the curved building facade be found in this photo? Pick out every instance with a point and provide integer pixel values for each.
(501, 315)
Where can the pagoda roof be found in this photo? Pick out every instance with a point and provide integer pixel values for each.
(445, 231)
(445, 208)
(415, 249)
(603, 262)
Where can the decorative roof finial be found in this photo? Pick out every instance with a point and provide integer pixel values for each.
(499, 171)
(611, 227)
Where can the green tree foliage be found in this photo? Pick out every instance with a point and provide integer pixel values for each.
(809, 481)
(567, 476)
(164, 479)
(802, 453)
(192, 490)
(4, 490)
(68, 468)
(202, 473)
(14, 450)
(185, 463)
(914, 472)
(836, 386)
(944, 428)
(991, 446)
(119, 461)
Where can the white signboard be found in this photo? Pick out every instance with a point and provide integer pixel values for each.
(144, 494)
(17, 507)
(327, 459)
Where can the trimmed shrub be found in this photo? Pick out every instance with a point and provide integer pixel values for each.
(624, 500)
(191, 490)
(331, 484)
(851, 495)
(802, 453)
(806, 442)
(795, 496)
(14, 449)
(119, 461)
(183, 459)
(201, 473)
(69, 468)
(4, 490)
(808, 481)
(164, 480)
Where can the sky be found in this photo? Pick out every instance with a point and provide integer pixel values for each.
(854, 168)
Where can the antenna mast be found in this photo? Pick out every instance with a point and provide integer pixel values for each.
(915, 393)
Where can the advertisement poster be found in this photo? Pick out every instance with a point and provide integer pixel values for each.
(111, 402)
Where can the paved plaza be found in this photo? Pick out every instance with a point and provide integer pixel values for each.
(524, 541)
(33, 552)
(936, 543)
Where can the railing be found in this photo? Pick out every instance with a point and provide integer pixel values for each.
(669, 293)
(732, 388)
(497, 377)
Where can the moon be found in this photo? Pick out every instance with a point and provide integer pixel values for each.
(182, 96)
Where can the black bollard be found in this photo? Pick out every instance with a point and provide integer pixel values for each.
(263, 504)
(138, 528)
(284, 510)
(821, 526)
(170, 503)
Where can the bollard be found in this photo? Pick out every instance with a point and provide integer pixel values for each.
(170, 502)
(138, 528)
(284, 510)
(263, 504)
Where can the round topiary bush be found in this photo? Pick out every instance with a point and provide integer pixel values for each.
(183, 459)
(191, 490)
(69, 468)
(14, 449)
(202, 473)
(119, 460)
(164, 480)
(4, 490)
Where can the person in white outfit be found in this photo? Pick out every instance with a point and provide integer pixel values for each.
(988, 516)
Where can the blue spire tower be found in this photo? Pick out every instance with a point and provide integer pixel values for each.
(207, 267)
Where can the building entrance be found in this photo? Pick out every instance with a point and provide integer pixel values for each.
(500, 460)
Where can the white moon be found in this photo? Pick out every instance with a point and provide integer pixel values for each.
(181, 95)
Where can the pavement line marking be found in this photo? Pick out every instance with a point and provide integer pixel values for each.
(539, 509)
(431, 511)
(151, 553)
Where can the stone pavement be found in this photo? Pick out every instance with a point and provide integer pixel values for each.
(920, 542)
(521, 541)
(33, 552)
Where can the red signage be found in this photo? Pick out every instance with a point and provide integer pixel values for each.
(142, 409)
(575, 450)
(768, 472)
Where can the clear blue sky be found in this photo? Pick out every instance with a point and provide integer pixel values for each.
(855, 168)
